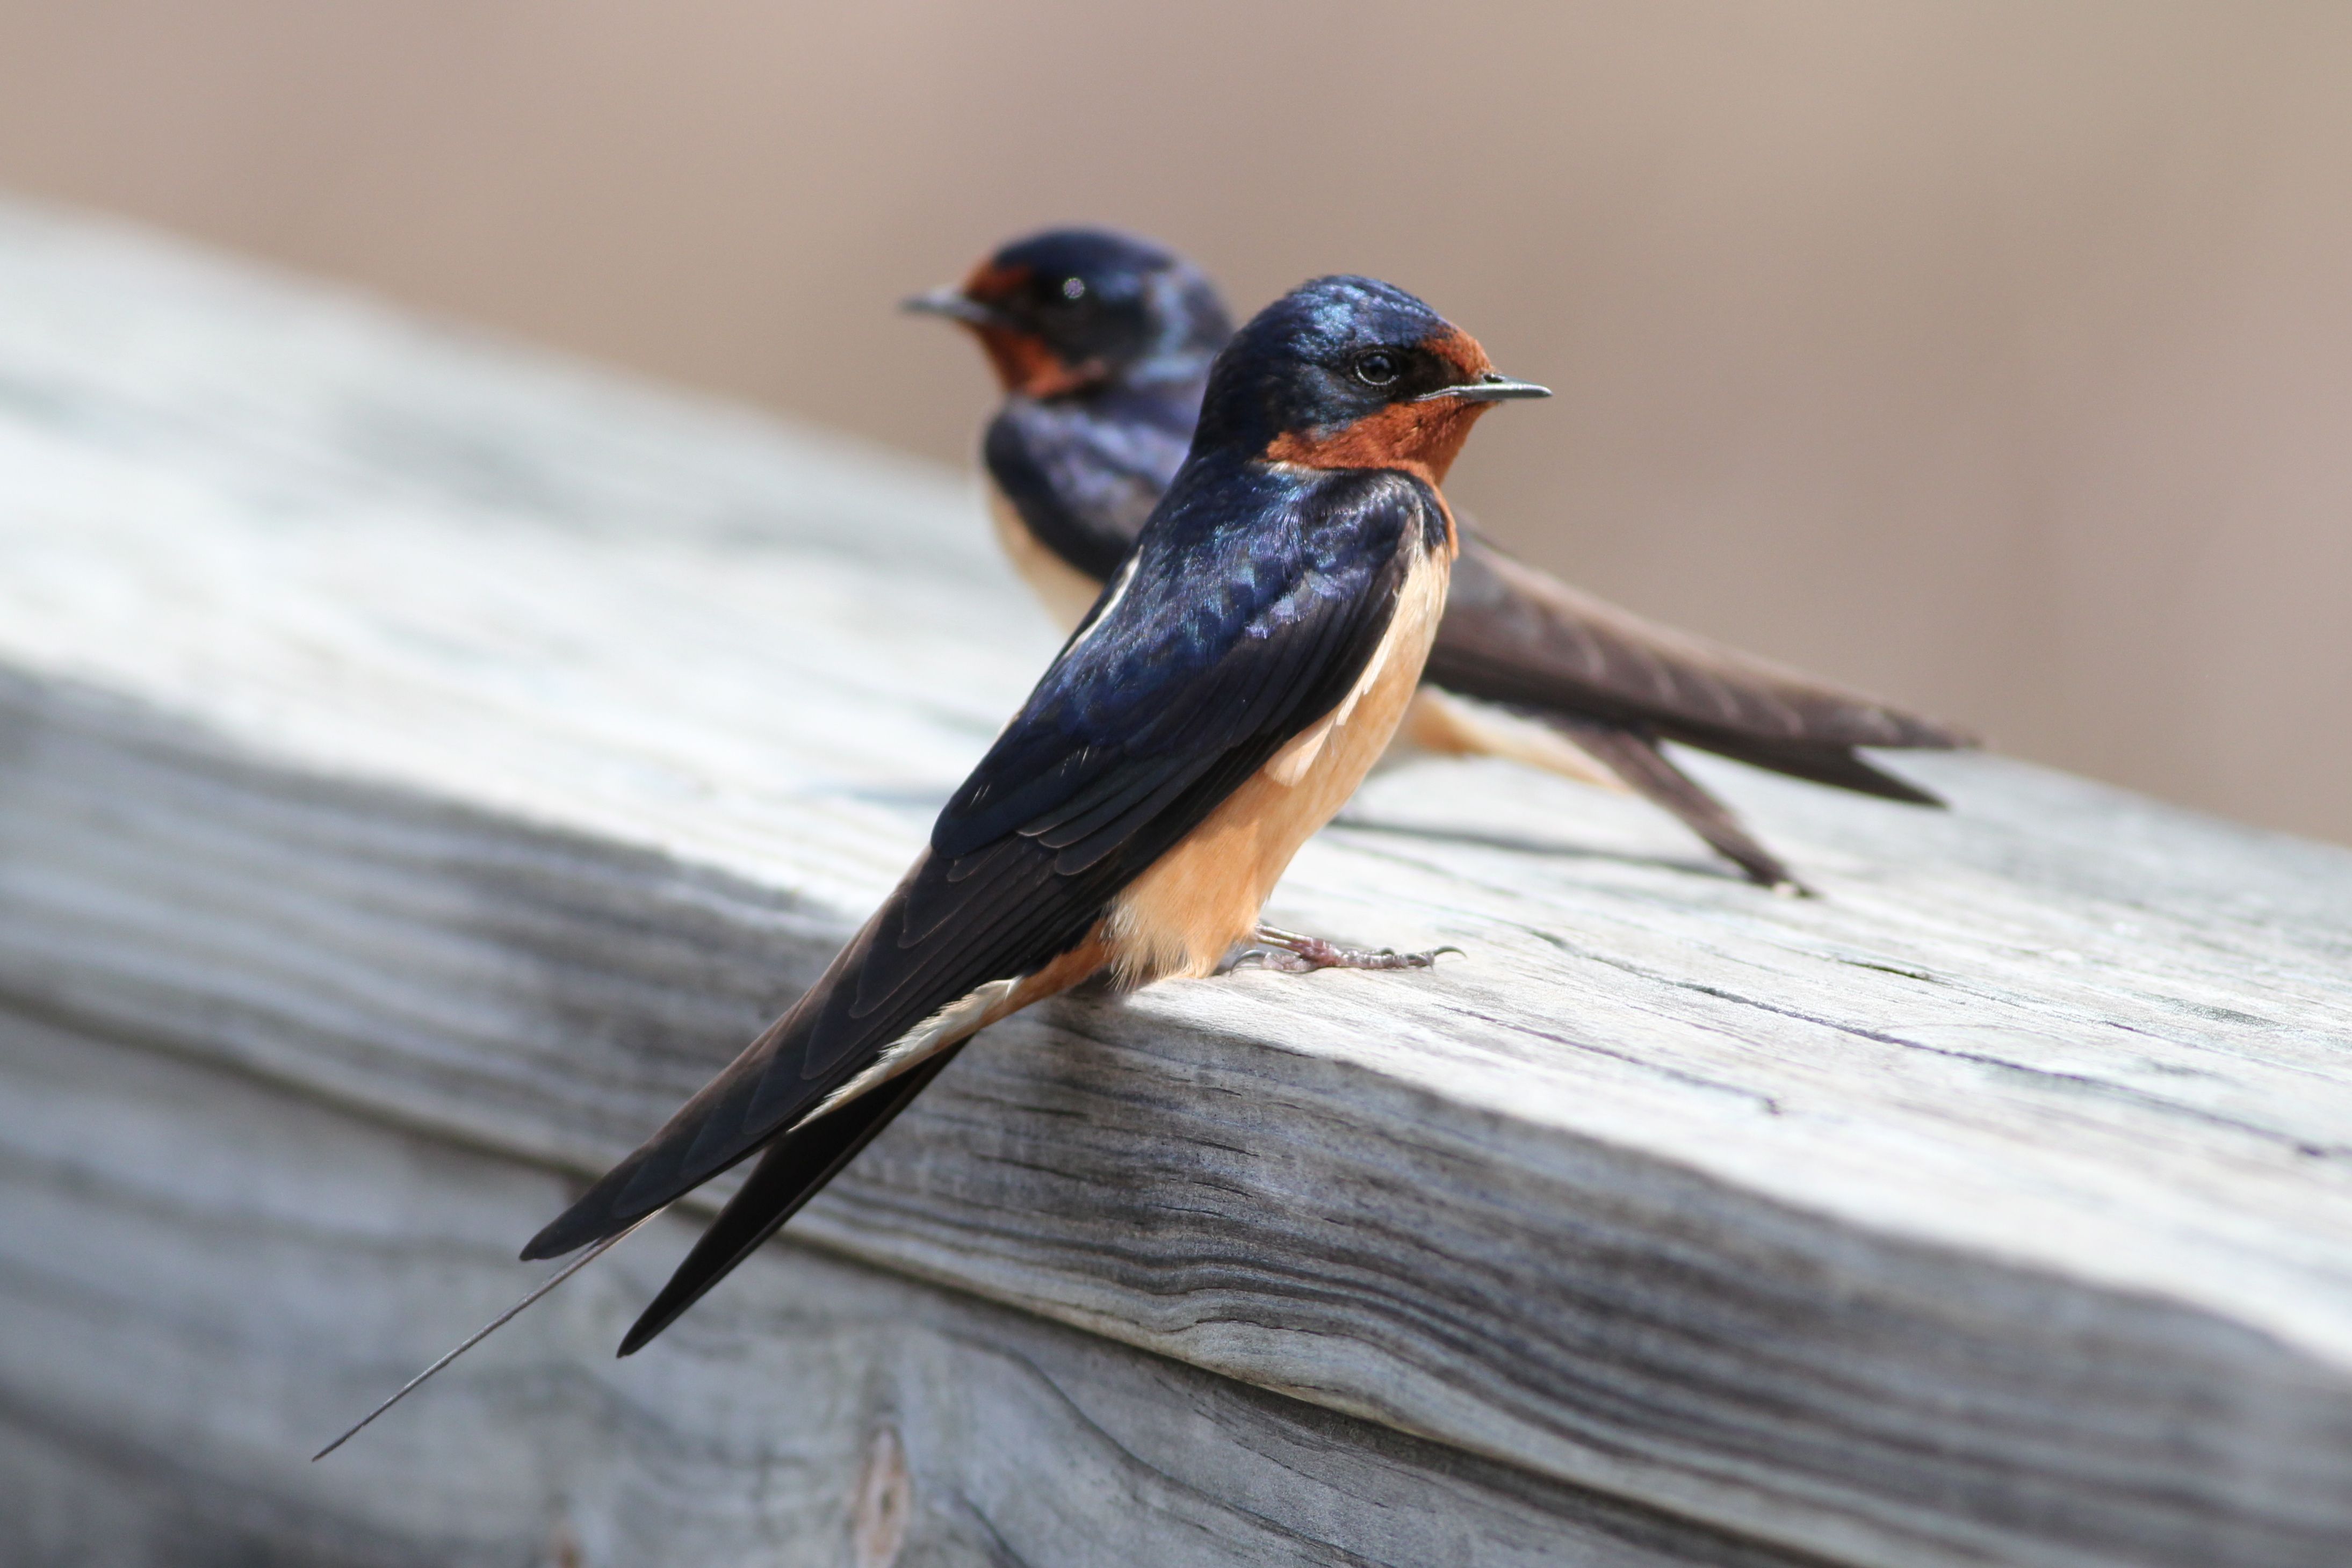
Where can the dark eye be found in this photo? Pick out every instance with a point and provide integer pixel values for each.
(1073, 288)
(1379, 369)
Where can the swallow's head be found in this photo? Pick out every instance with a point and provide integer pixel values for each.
(1067, 310)
(1350, 372)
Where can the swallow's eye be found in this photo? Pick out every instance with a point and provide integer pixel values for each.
(1379, 369)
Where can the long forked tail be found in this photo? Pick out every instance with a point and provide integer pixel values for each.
(1636, 758)
(795, 1168)
(485, 1331)
(792, 1171)
(1521, 638)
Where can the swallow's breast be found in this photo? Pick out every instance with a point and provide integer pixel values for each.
(1182, 918)
(1067, 593)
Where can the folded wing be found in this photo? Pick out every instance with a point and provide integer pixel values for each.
(1177, 691)
(1514, 635)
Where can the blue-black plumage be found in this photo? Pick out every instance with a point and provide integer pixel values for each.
(1222, 699)
(1095, 424)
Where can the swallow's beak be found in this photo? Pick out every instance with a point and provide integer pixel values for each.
(1488, 388)
(952, 303)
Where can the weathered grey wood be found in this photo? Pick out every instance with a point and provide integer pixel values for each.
(485, 748)
(154, 1414)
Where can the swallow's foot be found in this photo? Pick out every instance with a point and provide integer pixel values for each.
(1295, 955)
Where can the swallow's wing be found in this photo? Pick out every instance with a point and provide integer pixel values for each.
(795, 1168)
(1214, 651)
(1515, 635)
(1085, 477)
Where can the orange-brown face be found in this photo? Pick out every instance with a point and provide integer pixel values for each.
(1024, 361)
(1421, 437)
(1065, 311)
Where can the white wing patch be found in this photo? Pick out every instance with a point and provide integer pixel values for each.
(1118, 586)
(1418, 605)
(960, 1019)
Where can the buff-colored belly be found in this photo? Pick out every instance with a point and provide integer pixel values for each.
(1067, 593)
(1451, 726)
(1197, 901)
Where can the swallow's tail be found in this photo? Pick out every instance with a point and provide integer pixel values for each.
(957, 945)
(796, 1166)
(961, 944)
(1516, 636)
(1837, 766)
(1635, 758)
(777, 1080)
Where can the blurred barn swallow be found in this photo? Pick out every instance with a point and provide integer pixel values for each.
(1223, 698)
(1103, 342)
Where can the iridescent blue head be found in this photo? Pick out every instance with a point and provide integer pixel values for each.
(1350, 372)
(1066, 310)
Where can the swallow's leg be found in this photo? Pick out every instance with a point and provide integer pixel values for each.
(1296, 955)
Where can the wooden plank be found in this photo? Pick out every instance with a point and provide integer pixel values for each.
(486, 748)
(827, 1412)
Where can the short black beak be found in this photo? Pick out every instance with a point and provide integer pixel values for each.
(951, 304)
(1488, 388)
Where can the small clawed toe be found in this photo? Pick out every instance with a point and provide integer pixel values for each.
(1292, 954)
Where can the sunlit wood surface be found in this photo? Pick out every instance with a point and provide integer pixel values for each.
(421, 763)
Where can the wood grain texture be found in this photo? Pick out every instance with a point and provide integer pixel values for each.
(202, 1275)
(485, 749)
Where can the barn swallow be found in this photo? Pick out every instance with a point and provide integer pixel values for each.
(1248, 661)
(1102, 342)
(1222, 697)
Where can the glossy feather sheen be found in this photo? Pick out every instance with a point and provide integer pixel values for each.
(1214, 709)
(1604, 687)
(1081, 473)
(1093, 492)
(1258, 601)
(1201, 898)
(961, 1019)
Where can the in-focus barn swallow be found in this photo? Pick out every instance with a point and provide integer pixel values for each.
(1103, 344)
(1248, 661)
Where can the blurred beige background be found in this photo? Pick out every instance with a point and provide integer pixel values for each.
(1993, 356)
